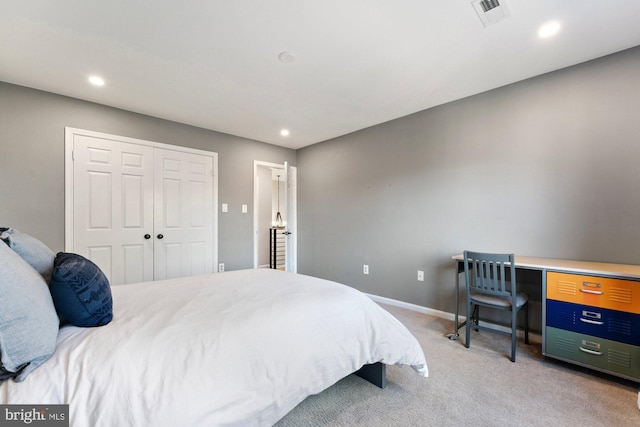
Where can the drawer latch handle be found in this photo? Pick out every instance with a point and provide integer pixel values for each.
(586, 350)
(593, 322)
(589, 291)
(591, 285)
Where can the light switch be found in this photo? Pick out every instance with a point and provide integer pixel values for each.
(244, 208)
(225, 207)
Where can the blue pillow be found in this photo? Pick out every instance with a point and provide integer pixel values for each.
(80, 291)
(32, 250)
(28, 319)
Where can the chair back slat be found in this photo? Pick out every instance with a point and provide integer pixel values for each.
(486, 273)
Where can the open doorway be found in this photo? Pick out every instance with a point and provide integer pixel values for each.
(274, 196)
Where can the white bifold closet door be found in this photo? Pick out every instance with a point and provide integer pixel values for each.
(142, 213)
(183, 212)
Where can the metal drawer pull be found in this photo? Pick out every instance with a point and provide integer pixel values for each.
(589, 291)
(593, 322)
(586, 350)
(592, 285)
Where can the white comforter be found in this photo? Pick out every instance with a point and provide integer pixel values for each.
(238, 348)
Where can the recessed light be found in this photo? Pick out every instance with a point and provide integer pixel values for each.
(549, 29)
(284, 132)
(96, 81)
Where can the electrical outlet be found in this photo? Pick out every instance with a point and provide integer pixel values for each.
(420, 276)
(365, 269)
(221, 267)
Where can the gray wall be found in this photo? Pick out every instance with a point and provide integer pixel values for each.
(547, 167)
(32, 164)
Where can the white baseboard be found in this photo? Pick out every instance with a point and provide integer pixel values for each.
(413, 307)
(439, 313)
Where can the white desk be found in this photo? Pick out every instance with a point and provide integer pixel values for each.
(613, 295)
(543, 265)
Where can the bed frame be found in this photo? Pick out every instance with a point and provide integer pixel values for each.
(376, 374)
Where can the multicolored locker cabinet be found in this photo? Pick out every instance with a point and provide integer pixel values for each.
(593, 321)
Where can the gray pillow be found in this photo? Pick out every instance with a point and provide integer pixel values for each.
(32, 250)
(28, 319)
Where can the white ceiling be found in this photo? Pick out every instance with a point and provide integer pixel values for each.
(214, 63)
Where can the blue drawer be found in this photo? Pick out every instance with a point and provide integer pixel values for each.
(599, 322)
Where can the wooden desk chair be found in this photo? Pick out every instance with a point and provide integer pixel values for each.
(486, 285)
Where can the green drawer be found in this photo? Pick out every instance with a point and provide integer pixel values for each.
(607, 355)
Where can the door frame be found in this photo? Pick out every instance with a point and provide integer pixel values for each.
(70, 133)
(290, 212)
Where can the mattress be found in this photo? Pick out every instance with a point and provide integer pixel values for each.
(239, 348)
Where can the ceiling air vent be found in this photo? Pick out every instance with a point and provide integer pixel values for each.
(487, 5)
(490, 11)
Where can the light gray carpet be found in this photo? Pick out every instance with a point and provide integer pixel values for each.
(477, 386)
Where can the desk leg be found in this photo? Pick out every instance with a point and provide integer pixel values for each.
(455, 334)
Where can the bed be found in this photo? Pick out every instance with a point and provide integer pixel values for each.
(240, 348)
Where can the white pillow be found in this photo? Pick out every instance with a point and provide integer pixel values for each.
(32, 250)
(28, 319)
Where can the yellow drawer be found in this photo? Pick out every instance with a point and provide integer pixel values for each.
(615, 294)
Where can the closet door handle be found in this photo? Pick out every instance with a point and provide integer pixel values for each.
(147, 236)
(160, 236)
